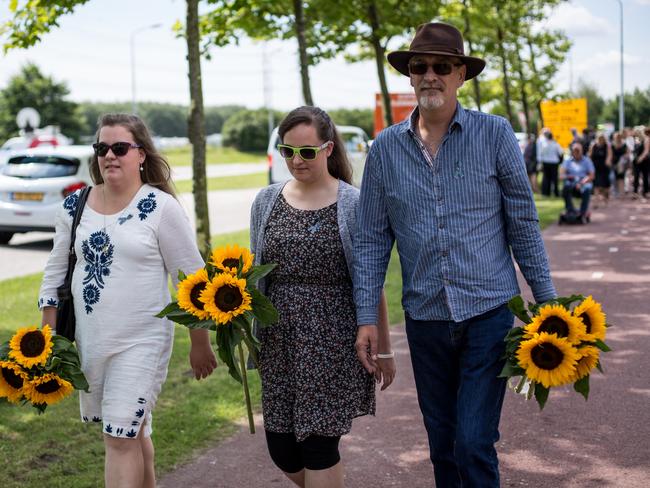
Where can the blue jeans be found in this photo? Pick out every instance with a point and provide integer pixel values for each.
(569, 191)
(456, 365)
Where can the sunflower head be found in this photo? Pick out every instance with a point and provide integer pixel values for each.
(12, 380)
(47, 389)
(225, 297)
(555, 319)
(591, 314)
(31, 346)
(189, 291)
(548, 359)
(588, 360)
(227, 258)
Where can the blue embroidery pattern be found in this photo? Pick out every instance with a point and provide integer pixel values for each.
(70, 203)
(98, 253)
(147, 205)
(52, 302)
(125, 431)
(121, 220)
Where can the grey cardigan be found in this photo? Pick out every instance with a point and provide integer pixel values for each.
(347, 205)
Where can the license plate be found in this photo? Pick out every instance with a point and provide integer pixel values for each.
(27, 196)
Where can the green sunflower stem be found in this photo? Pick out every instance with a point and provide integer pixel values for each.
(244, 375)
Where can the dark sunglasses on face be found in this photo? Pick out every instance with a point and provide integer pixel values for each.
(118, 148)
(307, 153)
(421, 68)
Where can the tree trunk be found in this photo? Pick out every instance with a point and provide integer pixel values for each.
(302, 50)
(533, 67)
(522, 84)
(466, 34)
(506, 79)
(196, 130)
(379, 60)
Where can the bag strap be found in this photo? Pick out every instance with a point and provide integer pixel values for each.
(72, 257)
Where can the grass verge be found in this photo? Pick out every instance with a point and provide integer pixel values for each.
(182, 156)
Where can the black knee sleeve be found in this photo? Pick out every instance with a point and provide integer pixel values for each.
(320, 452)
(284, 451)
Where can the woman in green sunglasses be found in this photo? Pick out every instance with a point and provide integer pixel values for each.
(313, 385)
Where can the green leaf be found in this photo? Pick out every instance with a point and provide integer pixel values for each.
(258, 272)
(226, 352)
(516, 306)
(510, 369)
(566, 302)
(600, 367)
(541, 394)
(602, 346)
(4, 351)
(582, 386)
(181, 276)
(263, 309)
(172, 307)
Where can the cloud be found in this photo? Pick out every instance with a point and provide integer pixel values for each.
(577, 21)
(609, 59)
(643, 2)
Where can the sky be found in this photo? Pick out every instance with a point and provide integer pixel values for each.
(91, 53)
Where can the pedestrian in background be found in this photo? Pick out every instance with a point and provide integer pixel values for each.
(550, 154)
(530, 158)
(600, 154)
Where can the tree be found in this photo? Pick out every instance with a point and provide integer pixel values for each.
(248, 130)
(636, 105)
(595, 102)
(34, 18)
(31, 88)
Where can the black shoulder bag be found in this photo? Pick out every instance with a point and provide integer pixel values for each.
(65, 319)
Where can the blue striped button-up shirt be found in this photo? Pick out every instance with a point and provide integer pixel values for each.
(455, 217)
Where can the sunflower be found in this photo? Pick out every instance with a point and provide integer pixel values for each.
(47, 389)
(189, 291)
(586, 363)
(555, 319)
(593, 317)
(12, 379)
(31, 346)
(548, 359)
(227, 258)
(225, 297)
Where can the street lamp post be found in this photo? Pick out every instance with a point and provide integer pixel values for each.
(621, 106)
(134, 106)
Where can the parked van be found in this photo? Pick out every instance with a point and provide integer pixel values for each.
(356, 145)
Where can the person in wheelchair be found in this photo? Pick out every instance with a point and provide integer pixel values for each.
(577, 173)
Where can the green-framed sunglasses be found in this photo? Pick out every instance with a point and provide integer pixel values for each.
(306, 153)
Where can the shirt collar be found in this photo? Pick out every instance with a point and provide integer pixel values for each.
(459, 119)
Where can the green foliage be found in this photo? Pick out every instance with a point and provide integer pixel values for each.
(31, 88)
(636, 105)
(248, 130)
(595, 102)
(361, 117)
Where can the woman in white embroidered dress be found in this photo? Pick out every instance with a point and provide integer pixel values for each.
(133, 234)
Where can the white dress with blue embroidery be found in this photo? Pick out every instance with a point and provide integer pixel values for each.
(119, 284)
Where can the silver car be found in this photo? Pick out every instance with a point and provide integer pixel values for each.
(34, 183)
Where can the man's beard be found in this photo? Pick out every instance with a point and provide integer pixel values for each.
(430, 102)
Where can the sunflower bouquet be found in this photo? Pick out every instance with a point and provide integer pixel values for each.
(223, 297)
(39, 367)
(559, 344)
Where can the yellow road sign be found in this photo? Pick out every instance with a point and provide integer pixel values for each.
(562, 116)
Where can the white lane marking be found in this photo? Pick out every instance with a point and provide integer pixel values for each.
(596, 275)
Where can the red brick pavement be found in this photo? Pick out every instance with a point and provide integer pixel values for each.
(572, 443)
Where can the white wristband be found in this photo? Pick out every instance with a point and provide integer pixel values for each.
(387, 355)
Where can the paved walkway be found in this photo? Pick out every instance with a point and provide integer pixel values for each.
(572, 443)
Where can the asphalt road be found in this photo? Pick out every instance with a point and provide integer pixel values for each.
(604, 442)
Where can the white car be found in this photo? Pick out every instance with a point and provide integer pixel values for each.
(356, 145)
(34, 183)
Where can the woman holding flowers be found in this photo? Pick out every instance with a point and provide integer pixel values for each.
(312, 383)
(132, 234)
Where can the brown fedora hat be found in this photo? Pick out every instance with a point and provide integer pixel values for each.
(439, 39)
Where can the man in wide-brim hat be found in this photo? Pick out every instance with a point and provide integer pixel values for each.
(450, 186)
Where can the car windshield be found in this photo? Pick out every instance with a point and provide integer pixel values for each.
(40, 167)
(353, 142)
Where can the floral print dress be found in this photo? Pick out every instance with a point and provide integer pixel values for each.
(119, 284)
(312, 381)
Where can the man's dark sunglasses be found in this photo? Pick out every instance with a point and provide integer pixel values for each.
(118, 148)
(421, 68)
